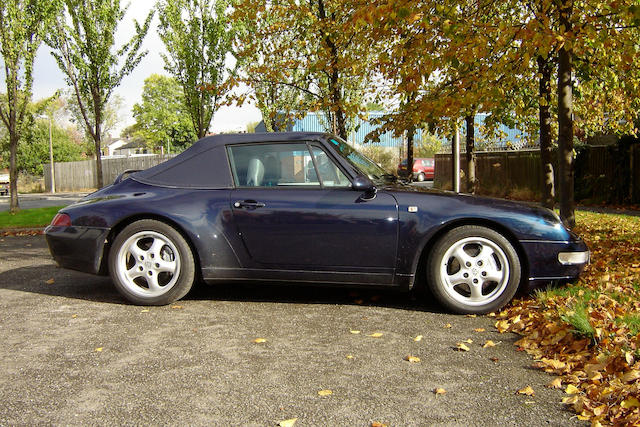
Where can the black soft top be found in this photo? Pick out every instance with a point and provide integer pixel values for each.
(204, 165)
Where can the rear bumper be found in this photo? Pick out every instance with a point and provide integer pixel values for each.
(544, 265)
(77, 248)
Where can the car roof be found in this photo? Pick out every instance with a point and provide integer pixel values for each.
(204, 165)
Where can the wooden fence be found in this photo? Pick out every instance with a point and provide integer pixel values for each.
(81, 176)
(602, 173)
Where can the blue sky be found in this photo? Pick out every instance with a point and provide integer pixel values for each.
(48, 78)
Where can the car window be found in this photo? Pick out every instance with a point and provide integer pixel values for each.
(330, 173)
(272, 165)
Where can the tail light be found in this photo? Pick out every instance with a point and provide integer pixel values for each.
(61, 220)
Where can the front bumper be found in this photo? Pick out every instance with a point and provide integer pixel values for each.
(545, 260)
(77, 248)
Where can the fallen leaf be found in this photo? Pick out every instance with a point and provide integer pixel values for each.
(461, 347)
(349, 356)
(98, 349)
(375, 335)
(599, 410)
(448, 325)
(354, 332)
(630, 402)
(412, 359)
(479, 330)
(527, 391)
(468, 341)
(494, 359)
(325, 392)
(631, 376)
(418, 338)
(146, 310)
(571, 389)
(378, 424)
(50, 282)
(260, 340)
(176, 307)
(439, 391)
(502, 326)
(73, 316)
(488, 344)
(555, 383)
(470, 315)
(288, 423)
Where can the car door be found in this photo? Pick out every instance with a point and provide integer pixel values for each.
(295, 209)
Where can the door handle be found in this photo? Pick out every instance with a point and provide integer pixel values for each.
(248, 204)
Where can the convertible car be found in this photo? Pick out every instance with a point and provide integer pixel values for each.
(306, 208)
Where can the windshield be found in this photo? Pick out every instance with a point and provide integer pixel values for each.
(359, 162)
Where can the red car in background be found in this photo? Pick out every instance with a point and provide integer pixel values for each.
(422, 169)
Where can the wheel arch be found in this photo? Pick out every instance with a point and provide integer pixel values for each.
(419, 265)
(124, 222)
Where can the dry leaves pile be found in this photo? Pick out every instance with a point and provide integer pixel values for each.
(588, 333)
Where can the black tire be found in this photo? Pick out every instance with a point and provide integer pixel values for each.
(420, 177)
(163, 263)
(491, 265)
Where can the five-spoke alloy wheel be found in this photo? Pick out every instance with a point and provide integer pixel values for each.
(151, 263)
(473, 269)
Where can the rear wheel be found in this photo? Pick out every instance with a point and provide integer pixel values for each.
(150, 263)
(420, 177)
(473, 269)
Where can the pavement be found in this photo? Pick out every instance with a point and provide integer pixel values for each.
(41, 200)
(73, 352)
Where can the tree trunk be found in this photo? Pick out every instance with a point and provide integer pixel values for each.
(97, 140)
(13, 170)
(471, 154)
(565, 123)
(410, 133)
(546, 153)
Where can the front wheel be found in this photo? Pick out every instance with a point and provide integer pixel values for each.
(151, 263)
(420, 177)
(473, 269)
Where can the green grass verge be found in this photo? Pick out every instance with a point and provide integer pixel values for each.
(25, 218)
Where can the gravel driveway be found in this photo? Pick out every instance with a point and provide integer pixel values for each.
(73, 352)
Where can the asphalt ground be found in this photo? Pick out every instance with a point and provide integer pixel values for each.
(73, 352)
(41, 200)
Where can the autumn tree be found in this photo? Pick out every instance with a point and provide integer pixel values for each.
(161, 116)
(312, 47)
(23, 24)
(198, 35)
(84, 47)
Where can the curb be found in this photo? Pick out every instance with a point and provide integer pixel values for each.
(21, 231)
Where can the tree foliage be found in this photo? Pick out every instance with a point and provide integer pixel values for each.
(22, 26)
(484, 57)
(161, 116)
(311, 47)
(198, 35)
(83, 44)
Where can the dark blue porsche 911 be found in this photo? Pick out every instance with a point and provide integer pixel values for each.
(306, 208)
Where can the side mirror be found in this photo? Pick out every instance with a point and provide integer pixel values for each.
(364, 184)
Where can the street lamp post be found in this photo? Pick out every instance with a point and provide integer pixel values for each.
(53, 175)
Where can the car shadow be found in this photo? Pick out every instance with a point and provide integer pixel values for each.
(54, 281)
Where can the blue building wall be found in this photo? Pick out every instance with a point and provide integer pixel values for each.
(314, 122)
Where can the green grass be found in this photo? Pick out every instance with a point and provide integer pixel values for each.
(25, 218)
(579, 319)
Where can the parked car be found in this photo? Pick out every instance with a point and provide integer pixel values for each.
(4, 185)
(306, 208)
(422, 169)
